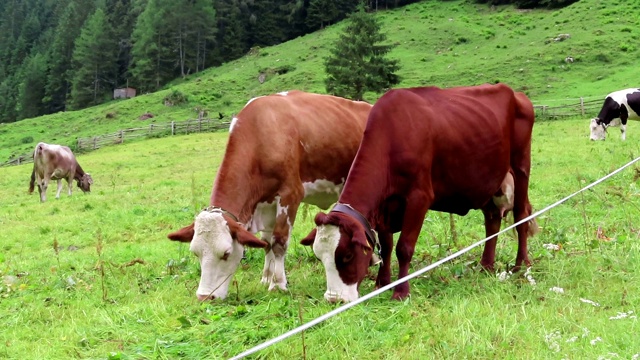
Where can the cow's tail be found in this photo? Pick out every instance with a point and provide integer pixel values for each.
(533, 227)
(32, 183)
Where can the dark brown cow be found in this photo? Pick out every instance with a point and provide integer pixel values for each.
(283, 149)
(56, 162)
(448, 150)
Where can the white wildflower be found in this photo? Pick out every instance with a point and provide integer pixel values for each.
(587, 301)
(622, 315)
(552, 340)
(556, 289)
(554, 247)
(636, 357)
(572, 339)
(529, 277)
(596, 340)
(504, 275)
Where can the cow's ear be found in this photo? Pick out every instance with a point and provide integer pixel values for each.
(244, 237)
(309, 239)
(359, 236)
(321, 219)
(183, 235)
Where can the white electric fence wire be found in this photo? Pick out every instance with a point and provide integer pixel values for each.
(419, 272)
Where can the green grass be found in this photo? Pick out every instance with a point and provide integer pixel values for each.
(438, 43)
(116, 288)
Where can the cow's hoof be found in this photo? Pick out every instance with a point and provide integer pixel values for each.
(399, 296)
(278, 286)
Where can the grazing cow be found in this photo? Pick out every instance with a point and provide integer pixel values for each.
(283, 149)
(56, 162)
(447, 150)
(618, 107)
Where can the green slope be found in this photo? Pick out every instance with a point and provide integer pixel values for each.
(438, 43)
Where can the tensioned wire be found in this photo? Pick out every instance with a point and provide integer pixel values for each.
(417, 273)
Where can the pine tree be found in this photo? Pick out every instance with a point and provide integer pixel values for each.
(321, 13)
(357, 63)
(150, 49)
(67, 30)
(31, 89)
(231, 32)
(93, 62)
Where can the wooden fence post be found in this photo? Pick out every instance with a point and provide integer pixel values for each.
(582, 105)
(199, 125)
(95, 140)
(172, 128)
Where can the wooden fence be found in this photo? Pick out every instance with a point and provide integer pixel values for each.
(586, 107)
(153, 130)
(120, 136)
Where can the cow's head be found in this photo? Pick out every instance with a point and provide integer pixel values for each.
(598, 129)
(340, 242)
(85, 182)
(218, 242)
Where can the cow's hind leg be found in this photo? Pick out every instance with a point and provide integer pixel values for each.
(59, 188)
(492, 222)
(42, 186)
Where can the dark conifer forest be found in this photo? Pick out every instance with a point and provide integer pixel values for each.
(58, 55)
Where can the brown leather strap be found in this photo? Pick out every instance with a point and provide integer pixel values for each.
(221, 210)
(349, 210)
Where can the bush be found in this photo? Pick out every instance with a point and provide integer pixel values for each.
(175, 98)
(26, 140)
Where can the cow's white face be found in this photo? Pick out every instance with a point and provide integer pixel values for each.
(598, 132)
(218, 252)
(325, 246)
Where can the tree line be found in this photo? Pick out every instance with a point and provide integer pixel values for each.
(70, 54)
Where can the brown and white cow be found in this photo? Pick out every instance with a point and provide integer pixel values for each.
(283, 149)
(56, 162)
(449, 150)
(618, 107)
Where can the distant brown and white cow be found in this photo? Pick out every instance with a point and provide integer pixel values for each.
(56, 162)
(618, 107)
(283, 149)
(449, 150)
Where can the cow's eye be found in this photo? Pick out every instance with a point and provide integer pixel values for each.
(226, 254)
(347, 257)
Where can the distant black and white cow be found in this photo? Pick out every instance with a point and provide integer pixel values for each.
(56, 162)
(619, 106)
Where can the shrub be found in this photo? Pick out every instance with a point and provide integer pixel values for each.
(175, 98)
(26, 140)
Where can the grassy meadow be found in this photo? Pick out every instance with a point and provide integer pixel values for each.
(442, 43)
(93, 276)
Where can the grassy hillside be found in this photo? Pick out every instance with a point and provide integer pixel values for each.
(94, 277)
(443, 43)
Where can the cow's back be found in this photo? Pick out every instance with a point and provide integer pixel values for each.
(55, 160)
(442, 141)
(312, 130)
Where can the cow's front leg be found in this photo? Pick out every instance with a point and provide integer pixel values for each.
(384, 273)
(59, 188)
(415, 212)
(623, 130)
(70, 184)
